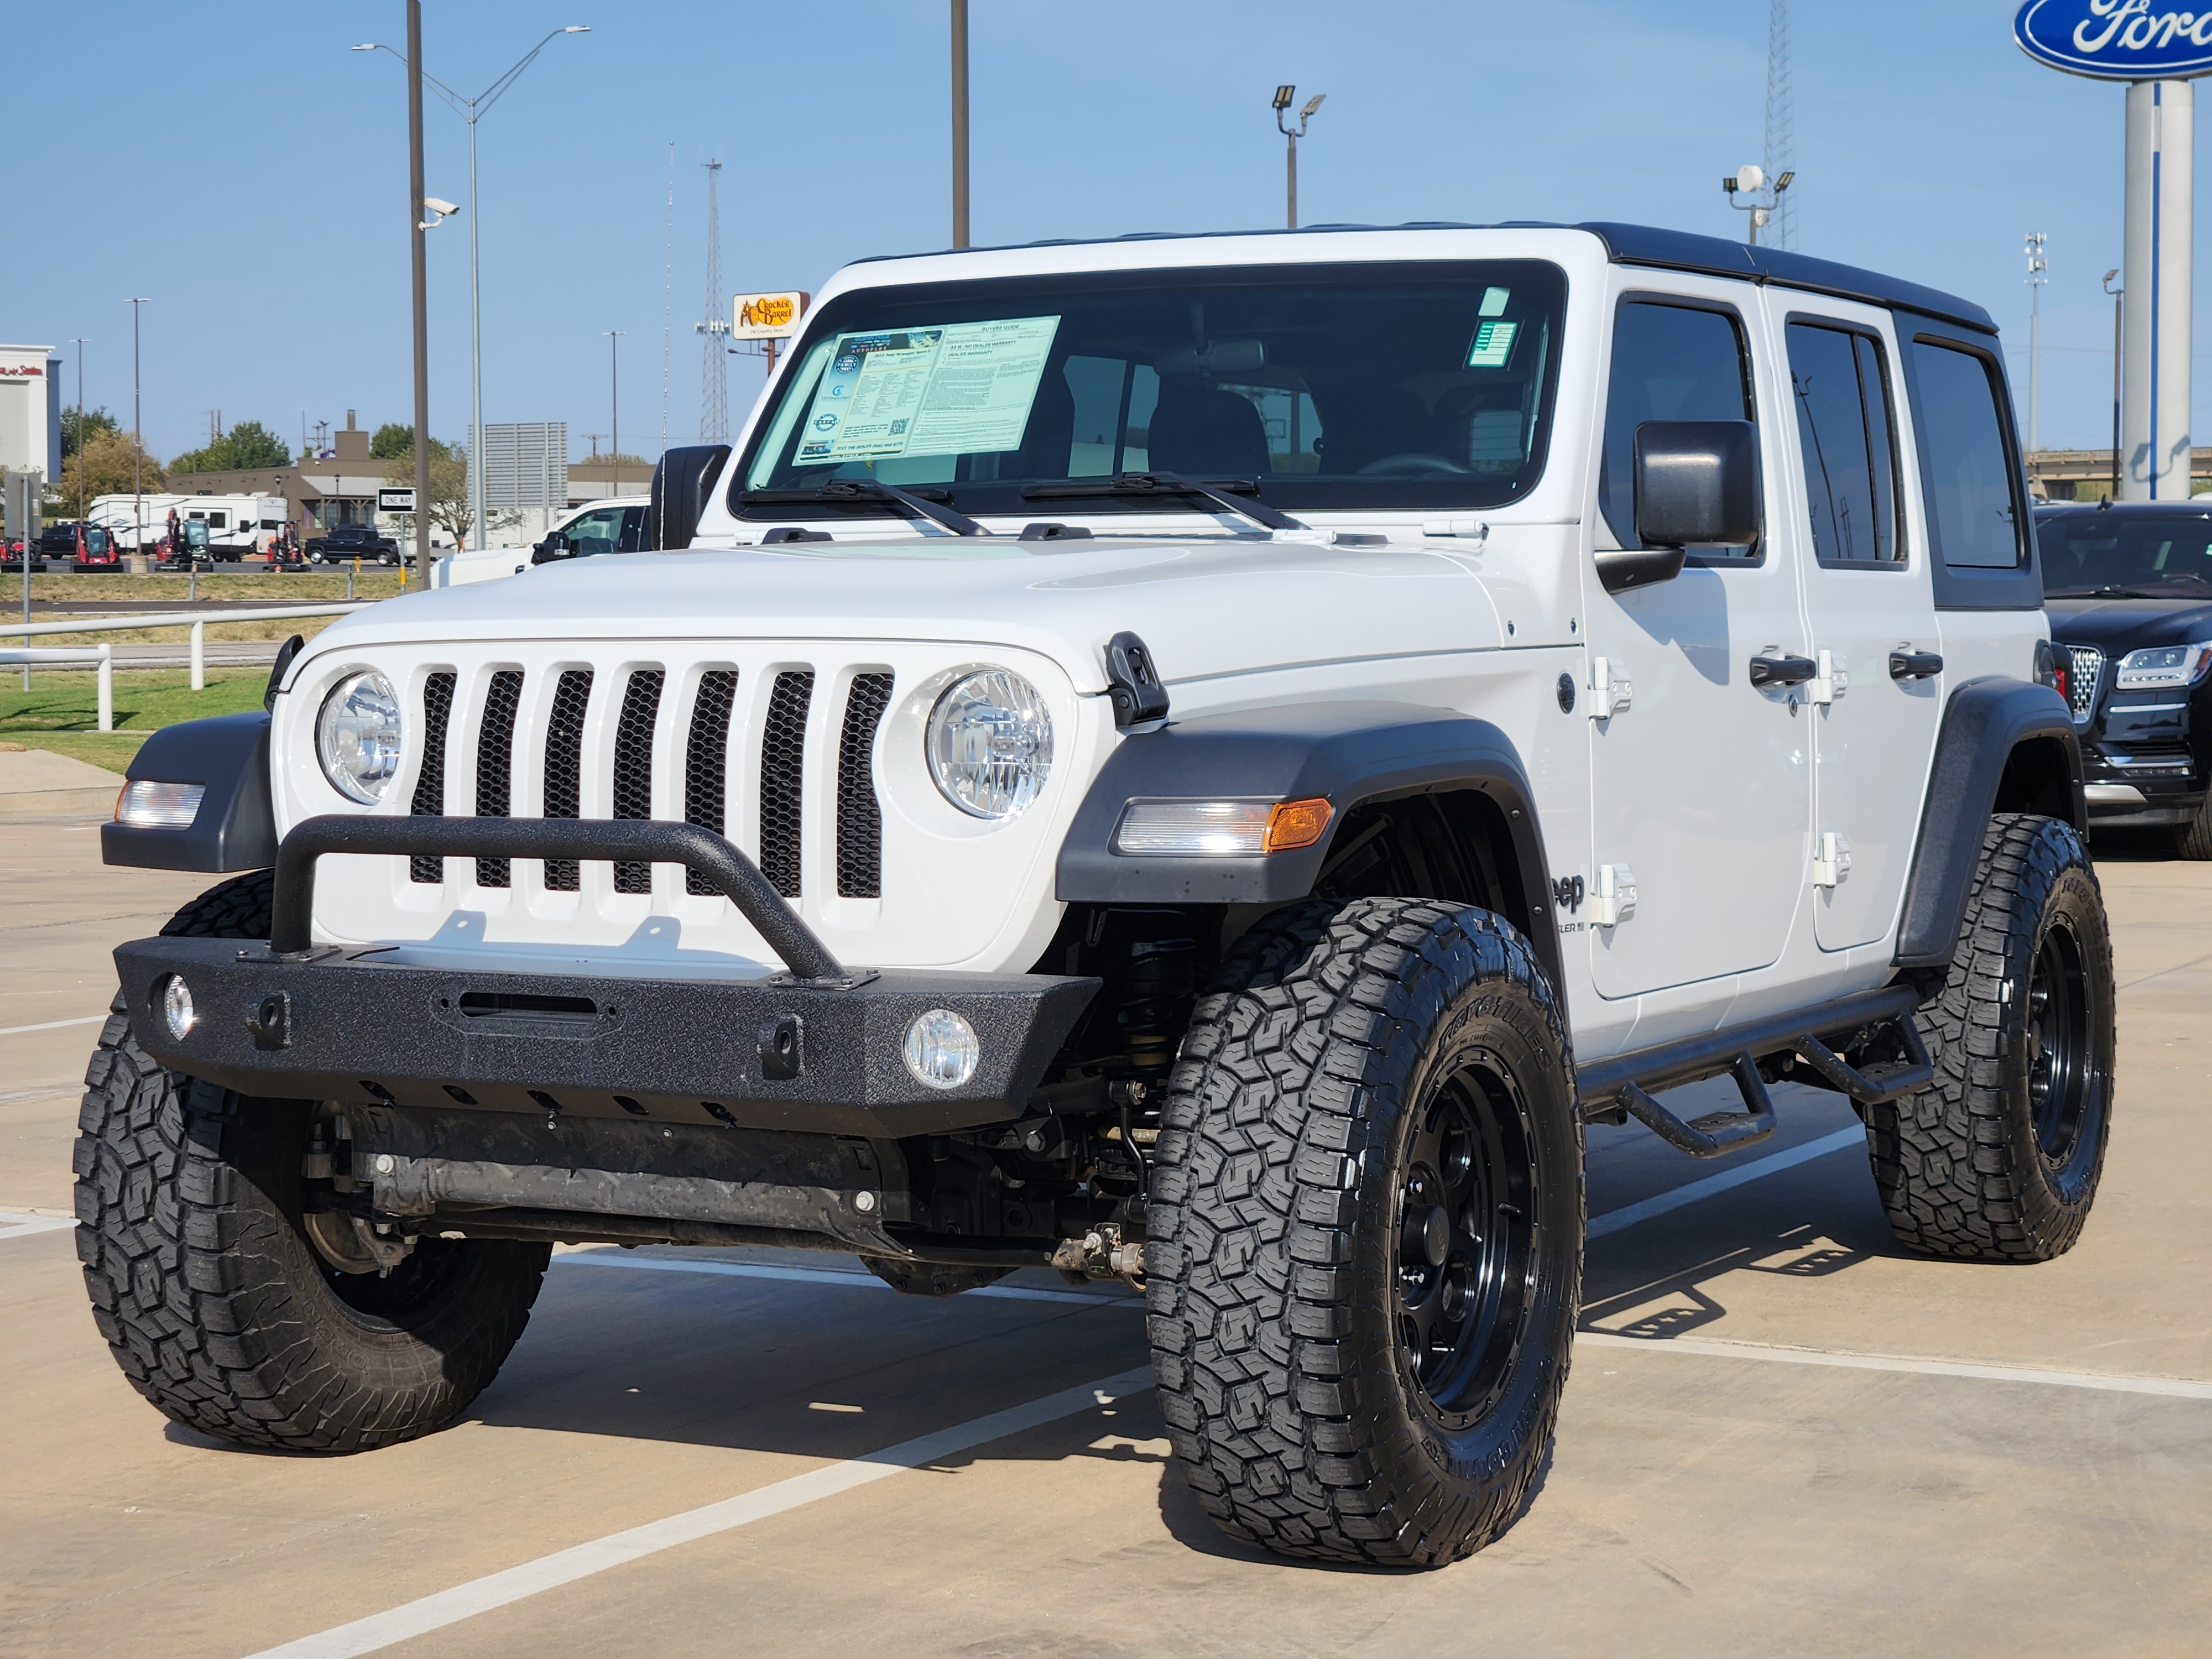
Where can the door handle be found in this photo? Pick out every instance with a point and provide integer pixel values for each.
(1915, 664)
(1766, 672)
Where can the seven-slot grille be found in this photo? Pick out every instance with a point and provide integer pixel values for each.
(2087, 668)
(718, 764)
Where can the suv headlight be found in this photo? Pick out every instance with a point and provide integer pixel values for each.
(357, 737)
(990, 744)
(2163, 665)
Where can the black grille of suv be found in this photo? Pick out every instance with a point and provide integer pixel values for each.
(2087, 669)
(634, 767)
(564, 765)
(496, 764)
(783, 762)
(860, 819)
(429, 800)
(707, 761)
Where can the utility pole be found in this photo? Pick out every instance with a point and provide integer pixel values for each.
(2118, 357)
(2036, 265)
(137, 444)
(415, 226)
(1781, 146)
(614, 407)
(713, 360)
(960, 122)
(1283, 96)
(667, 295)
(80, 342)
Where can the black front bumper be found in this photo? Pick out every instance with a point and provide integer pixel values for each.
(351, 1027)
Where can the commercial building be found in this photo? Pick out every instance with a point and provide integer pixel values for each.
(30, 411)
(319, 494)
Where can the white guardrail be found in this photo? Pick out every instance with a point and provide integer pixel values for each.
(103, 656)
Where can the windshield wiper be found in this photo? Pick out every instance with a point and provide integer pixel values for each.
(870, 489)
(1163, 483)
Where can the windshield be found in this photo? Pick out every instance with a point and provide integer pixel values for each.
(2122, 555)
(1346, 386)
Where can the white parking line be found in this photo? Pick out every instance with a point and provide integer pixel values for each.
(12, 1226)
(824, 1276)
(2172, 1387)
(1697, 1191)
(51, 1025)
(499, 1589)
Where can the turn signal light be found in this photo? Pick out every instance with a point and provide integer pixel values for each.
(1295, 823)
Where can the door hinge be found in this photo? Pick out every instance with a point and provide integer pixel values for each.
(1832, 680)
(1831, 860)
(1616, 895)
(1610, 689)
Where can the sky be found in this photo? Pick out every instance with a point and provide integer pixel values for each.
(237, 164)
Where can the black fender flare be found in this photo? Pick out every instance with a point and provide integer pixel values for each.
(2005, 744)
(235, 828)
(1348, 753)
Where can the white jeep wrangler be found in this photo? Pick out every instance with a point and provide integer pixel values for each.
(1203, 760)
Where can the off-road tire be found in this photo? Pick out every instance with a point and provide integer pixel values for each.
(1273, 1254)
(1959, 1166)
(2194, 839)
(930, 1278)
(206, 1289)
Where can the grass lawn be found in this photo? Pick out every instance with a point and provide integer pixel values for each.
(61, 711)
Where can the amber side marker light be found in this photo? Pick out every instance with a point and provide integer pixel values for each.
(1295, 823)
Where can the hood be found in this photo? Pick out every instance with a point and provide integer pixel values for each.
(2119, 626)
(1204, 606)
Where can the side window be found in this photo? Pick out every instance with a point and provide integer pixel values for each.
(1670, 362)
(1976, 520)
(633, 530)
(1844, 438)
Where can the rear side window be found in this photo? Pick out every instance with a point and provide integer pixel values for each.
(1971, 506)
(1844, 440)
(1670, 362)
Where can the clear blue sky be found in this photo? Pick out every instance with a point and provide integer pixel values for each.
(179, 153)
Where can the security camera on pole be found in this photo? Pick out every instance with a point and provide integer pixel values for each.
(2158, 54)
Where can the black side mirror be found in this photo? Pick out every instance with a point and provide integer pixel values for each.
(554, 546)
(680, 486)
(1697, 486)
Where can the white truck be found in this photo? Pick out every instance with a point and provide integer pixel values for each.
(1203, 762)
(237, 524)
(616, 525)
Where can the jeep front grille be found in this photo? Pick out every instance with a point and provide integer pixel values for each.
(2087, 668)
(714, 733)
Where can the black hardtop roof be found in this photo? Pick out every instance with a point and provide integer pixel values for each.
(1626, 244)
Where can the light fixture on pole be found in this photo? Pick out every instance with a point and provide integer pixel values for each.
(138, 443)
(614, 409)
(2120, 344)
(470, 110)
(1752, 181)
(1283, 96)
(2036, 265)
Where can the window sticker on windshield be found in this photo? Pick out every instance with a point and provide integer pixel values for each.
(965, 388)
(1494, 302)
(1493, 343)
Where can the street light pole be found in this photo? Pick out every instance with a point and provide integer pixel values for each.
(1283, 96)
(470, 110)
(80, 342)
(1752, 179)
(137, 444)
(2118, 347)
(614, 406)
(960, 122)
(419, 256)
(2036, 265)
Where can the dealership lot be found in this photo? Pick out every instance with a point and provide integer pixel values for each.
(1781, 1434)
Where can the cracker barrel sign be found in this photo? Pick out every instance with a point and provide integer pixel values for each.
(767, 316)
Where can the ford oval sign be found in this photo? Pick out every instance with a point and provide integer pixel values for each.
(2117, 39)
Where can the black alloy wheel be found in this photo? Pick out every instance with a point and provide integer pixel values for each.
(1466, 1233)
(2059, 1083)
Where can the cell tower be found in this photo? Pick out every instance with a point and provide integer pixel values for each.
(1781, 125)
(713, 353)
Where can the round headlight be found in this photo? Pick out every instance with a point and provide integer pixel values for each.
(357, 737)
(176, 1005)
(990, 744)
(941, 1050)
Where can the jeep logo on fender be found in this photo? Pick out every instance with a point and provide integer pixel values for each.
(2116, 39)
(1567, 893)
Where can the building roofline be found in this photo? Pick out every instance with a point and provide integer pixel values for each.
(1626, 244)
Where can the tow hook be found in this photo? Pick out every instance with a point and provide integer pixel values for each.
(1102, 1252)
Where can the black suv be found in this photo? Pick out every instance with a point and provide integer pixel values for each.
(353, 541)
(2128, 592)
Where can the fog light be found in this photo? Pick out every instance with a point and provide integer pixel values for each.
(941, 1050)
(175, 1001)
(146, 805)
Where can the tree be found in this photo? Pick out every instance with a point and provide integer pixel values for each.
(96, 420)
(249, 444)
(391, 440)
(449, 484)
(105, 465)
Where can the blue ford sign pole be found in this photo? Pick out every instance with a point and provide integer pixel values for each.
(2158, 51)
